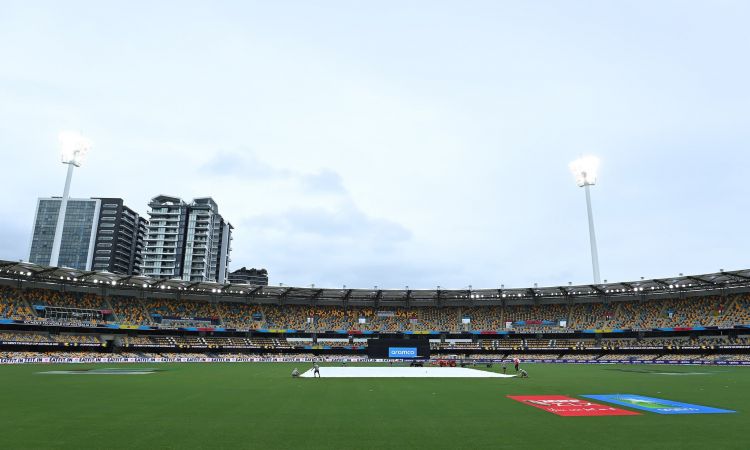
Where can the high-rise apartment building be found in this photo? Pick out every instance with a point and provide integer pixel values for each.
(165, 237)
(190, 241)
(119, 239)
(98, 234)
(258, 277)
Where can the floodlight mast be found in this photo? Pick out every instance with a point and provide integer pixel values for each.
(74, 148)
(585, 171)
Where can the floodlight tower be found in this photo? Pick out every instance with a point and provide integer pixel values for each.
(585, 171)
(73, 150)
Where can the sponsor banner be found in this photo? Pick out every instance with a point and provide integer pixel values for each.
(46, 322)
(562, 405)
(278, 330)
(402, 352)
(534, 322)
(192, 319)
(489, 332)
(657, 405)
(681, 329)
(51, 344)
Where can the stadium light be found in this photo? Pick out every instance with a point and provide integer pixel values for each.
(585, 170)
(73, 147)
(73, 150)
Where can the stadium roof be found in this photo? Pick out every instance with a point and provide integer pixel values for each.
(60, 275)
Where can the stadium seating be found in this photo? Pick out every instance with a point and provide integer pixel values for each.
(171, 315)
(630, 315)
(13, 305)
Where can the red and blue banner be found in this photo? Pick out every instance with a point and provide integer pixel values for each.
(562, 405)
(657, 405)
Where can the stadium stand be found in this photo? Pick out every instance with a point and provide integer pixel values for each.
(686, 328)
(695, 312)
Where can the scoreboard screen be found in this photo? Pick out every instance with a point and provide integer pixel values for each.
(398, 348)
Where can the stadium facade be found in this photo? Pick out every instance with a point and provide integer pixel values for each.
(701, 319)
(100, 234)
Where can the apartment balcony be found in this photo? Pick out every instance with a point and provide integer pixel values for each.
(159, 257)
(160, 249)
(164, 213)
(166, 241)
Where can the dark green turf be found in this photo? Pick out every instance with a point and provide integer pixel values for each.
(261, 406)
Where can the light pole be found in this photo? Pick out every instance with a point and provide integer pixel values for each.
(585, 170)
(73, 150)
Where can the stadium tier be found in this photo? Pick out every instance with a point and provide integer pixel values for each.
(48, 306)
(53, 310)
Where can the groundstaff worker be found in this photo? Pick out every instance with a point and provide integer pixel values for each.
(295, 373)
(316, 370)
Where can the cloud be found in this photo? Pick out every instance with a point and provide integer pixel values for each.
(305, 227)
(15, 241)
(324, 181)
(342, 224)
(245, 164)
(326, 246)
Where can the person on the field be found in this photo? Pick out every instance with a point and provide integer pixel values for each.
(316, 370)
(505, 366)
(516, 361)
(522, 373)
(295, 373)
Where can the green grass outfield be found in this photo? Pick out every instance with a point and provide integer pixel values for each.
(258, 405)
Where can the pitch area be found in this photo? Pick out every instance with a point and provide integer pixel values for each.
(403, 372)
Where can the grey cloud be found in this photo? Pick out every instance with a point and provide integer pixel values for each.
(15, 241)
(347, 222)
(246, 164)
(304, 246)
(324, 181)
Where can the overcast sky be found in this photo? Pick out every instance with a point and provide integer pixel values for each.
(397, 143)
